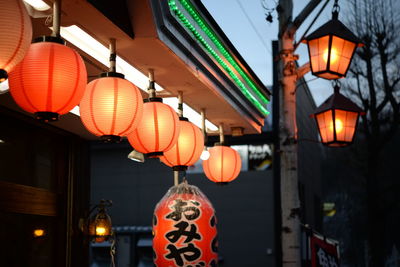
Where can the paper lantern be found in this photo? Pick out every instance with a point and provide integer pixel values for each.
(111, 107)
(158, 129)
(187, 149)
(337, 120)
(223, 166)
(50, 80)
(184, 228)
(16, 35)
(331, 48)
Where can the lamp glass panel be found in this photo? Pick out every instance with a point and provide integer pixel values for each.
(325, 125)
(341, 53)
(345, 122)
(318, 49)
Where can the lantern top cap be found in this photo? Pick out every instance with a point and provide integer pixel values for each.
(338, 101)
(334, 27)
(112, 74)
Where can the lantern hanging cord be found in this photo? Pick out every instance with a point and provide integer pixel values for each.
(113, 55)
(180, 104)
(335, 10)
(152, 88)
(56, 18)
(311, 24)
(113, 250)
(336, 85)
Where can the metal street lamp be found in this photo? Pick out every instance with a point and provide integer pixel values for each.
(331, 48)
(337, 120)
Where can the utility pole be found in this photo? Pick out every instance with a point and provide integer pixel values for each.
(288, 77)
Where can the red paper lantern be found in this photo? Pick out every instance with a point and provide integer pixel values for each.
(111, 106)
(158, 130)
(16, 35)
(184, 228)
(187, 149)
(223, 166)
(50, 80)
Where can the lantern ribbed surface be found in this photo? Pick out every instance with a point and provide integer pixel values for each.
(157, 131)
(187, 149)
(111, 106)
(185, 229)
(51, 78)
(16, 33)
(224, 164)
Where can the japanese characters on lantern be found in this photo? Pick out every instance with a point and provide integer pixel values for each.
(184, 228)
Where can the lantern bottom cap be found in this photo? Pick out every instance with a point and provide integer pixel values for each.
(221, 183)
(3, 75)
(154, 154)
(47, 116)
(180, 168)
(110, 138)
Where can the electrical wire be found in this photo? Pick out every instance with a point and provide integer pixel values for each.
(254, 27)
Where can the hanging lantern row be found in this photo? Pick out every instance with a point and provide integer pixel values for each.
(337, 119)
(16, 35)
(331, 48)
(111, 107)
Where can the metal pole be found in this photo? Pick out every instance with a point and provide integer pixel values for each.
(221, 134)
(152, 89)
(56, 18)
(113, 55)
(176, 178)
(180, 103)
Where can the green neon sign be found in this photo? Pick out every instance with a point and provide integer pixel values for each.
(226, 56)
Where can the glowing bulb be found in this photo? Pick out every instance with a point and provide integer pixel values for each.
(334, 56)
(205, 155)
(338, 126)
(100, 230)
(38, 232)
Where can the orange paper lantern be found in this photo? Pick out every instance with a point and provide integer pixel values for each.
(111, 106)
(184, 228)
(223, 166)
(16, 35)
(187, 149)
(158, 129)
(50, 80)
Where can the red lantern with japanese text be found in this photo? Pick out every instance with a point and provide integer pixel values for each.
(184, 228)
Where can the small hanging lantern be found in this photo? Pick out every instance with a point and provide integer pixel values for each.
(224, 163)
(331, 48)
(100, 226)
(184, 229)
(111, 106)
(337, 120)
(189, 146)
(158, 129)
(16, 35)
(51, 79)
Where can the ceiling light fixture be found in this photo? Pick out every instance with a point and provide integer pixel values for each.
(38, 5)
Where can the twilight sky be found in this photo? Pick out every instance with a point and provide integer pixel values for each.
(253, 39)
